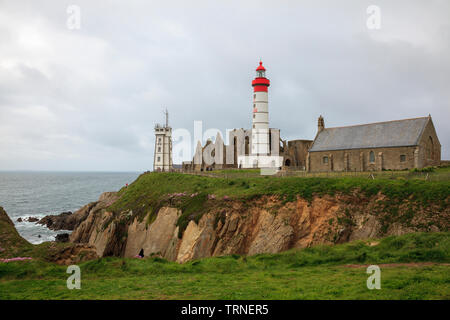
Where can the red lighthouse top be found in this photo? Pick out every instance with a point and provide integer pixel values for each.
(261, 83)
(260, 67)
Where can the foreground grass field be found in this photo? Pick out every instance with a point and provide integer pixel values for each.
(419, 268)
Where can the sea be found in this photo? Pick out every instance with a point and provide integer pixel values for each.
(37, 194)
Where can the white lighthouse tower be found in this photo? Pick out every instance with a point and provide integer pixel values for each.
(260, 122)
(163, 147)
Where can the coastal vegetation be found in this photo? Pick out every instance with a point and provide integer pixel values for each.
(195, 194)
(413, 266)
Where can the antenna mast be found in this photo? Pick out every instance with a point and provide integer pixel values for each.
(166, 113)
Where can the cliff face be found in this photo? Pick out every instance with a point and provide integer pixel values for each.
(262, 225)
(13, 245)
(70, 221)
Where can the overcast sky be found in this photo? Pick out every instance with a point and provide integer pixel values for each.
(88, 98)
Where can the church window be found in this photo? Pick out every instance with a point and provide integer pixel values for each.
(159, 159)
(402, 158)
(325, 160)
(159, 140)
(247, 143)
(371, 156)
(159, 149)
(430, 148)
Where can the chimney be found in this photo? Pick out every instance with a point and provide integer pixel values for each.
(320, 124)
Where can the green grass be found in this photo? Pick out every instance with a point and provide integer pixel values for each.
(312, 273)
(151, 191)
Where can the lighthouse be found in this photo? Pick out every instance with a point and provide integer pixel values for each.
(260, 122)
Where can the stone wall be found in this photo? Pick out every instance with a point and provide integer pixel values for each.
(429, 147)
(360, 159)
(296, 153)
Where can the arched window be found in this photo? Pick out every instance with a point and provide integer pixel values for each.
(371, 156)
(247, 143)
(430, 148)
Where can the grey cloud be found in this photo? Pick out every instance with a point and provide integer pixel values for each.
(93, 95)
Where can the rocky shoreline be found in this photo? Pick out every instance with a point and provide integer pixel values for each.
(14, 247)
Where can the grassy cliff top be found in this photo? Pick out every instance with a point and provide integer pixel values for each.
(194, 194)
(153, 186)
(11, 243)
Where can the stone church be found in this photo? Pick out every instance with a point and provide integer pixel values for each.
(390, 145)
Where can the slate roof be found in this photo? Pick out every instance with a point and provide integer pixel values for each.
(397, 133)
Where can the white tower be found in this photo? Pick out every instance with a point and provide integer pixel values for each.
(260, 122)
(163, 147)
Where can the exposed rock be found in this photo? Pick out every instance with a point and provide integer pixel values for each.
(264, 225)
(62, 237)
(58, 222)
(14, 245)
(98, 228)
(159, 237)
(32, 219)
(69, 220)
(19, 220)
(71, 254)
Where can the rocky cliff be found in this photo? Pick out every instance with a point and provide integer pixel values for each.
(69, 220)
(13, 245)
(263, 224)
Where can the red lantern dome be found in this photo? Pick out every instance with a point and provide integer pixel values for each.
(261, 83)
(260, 67)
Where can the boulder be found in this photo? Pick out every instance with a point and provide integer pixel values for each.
(62, 237)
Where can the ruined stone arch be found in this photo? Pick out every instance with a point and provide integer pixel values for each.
(235, 155)
(247, 145)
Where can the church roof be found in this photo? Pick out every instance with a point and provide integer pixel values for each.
(397, 133)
